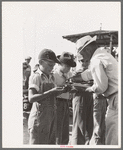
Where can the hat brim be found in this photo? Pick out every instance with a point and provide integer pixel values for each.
(92, 40)
(55, 60)
(68, 62)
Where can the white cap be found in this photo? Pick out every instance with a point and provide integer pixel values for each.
(84, 41)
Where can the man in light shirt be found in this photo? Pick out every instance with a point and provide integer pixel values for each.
(61, 74)
(104, 71)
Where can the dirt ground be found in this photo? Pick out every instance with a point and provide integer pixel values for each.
(25, 128)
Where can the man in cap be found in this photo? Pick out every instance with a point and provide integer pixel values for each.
(61, 74)
(104, 71)
(27, 71)
(42, 93)
(27, 60)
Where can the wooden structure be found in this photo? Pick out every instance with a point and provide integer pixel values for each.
(104, 37)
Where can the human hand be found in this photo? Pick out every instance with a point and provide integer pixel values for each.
(76, 78)
(57, 90)
(89, 89)
(67, 88)
(73, 90)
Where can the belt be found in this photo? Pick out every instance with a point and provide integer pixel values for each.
(98, 96)
(62, 99)
(112, 95)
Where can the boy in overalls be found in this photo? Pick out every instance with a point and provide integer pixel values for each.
(61, 74)
(42, 93)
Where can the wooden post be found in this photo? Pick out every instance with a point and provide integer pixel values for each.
(111, 39)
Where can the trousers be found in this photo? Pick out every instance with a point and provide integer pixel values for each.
(44, 133)
(62, 121)
(99, 111)
(112, 120)
(42, 119)
(82, 118)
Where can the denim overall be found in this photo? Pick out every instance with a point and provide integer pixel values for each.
(43, 119)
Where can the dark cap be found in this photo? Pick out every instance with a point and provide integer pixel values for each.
(28, 58)
(67, 58)
(48, 54)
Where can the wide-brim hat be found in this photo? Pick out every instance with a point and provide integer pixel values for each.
(47, 54)
(84, 41)
(67, 58)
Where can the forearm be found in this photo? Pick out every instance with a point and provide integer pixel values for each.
(39, 97)
(35, 97)
(25, 91)
(86, 75)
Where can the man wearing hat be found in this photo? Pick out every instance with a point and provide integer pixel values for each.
(104, 71)
(27, 60)
(42, 94)
(61, 74)
(98, 105)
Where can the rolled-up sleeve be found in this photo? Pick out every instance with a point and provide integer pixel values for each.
(34, 82)
(86, 75)
(100, 78)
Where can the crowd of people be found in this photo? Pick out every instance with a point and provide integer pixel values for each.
(93, 90)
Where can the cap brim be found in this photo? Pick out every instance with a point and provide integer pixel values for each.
(52, 60)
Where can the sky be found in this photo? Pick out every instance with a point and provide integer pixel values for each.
(42, 24)
(27, 28)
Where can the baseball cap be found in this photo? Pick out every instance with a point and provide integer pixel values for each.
(28, 58)
(47, 54)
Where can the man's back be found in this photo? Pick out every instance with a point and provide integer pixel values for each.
(110, 66)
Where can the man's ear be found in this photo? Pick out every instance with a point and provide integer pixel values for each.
(88, 50)
(40, 62)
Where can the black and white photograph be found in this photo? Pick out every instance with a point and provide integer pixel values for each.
(61, 74)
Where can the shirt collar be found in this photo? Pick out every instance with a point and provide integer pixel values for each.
(42, 73)
(98, 51)
(61, 73)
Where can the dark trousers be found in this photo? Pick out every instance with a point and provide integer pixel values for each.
(62, 121)
(99, 111)
(82, 118)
